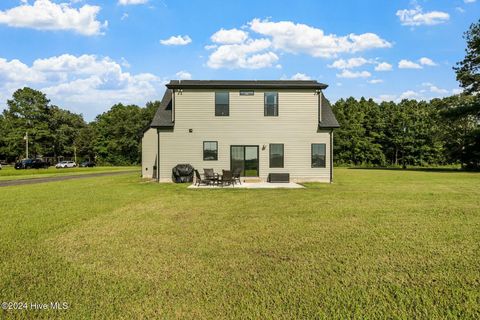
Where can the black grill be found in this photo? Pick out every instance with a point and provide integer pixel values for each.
(182, 173)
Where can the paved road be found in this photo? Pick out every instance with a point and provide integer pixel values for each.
(8, 183)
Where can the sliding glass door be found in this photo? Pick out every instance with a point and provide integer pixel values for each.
(245, 158)
(237, 158)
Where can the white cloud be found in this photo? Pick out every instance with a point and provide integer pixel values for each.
(349, 64)
(229, 36)
(358, 62)
(127, 2)
(438, 90)
(300, 76)
(460, 9)
(183, 75)
(429, 92)
(383, 66)
(210, 46)
(263, 60)
(385, 97)
(248, 55)
(301, 38)
(375, 81)
(124, 62)
(469, 1)
(235, 48)
(407, 64)
(410, 94)
(427, 62)
(16, 71)
(351, 75)
(47, 15)
(434, 89)
(88, 84)
(416, 17)
(457, 91)
(176, 41)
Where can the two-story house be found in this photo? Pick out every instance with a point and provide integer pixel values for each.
(261, 127)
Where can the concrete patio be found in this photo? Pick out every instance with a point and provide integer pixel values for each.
(252, 185)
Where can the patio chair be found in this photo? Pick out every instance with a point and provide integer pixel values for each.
(210, 175)
(199, 180)
(236, 175)
(227, 178)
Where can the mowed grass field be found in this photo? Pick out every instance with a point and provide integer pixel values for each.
(375, 244)
(9, 172)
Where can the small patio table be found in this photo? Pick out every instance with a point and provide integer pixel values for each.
(216, 179)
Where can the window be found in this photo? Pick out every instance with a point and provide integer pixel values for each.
(210, 150)
(271, 104)
(246, 92)
(221, 104)
(318, 155)
(276, 155)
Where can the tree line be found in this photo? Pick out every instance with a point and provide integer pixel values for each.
(408, 133)
(112, 138)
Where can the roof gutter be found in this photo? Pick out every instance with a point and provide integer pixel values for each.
(319, 93)
(318, 86)
(158, 155)
(173, 106)
(162, 127)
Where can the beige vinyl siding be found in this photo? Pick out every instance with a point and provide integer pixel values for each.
(295, 126)
(149, 152)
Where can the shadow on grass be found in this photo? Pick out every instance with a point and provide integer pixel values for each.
(414, 169)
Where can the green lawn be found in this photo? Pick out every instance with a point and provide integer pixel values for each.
(9, 173)
(376, 244)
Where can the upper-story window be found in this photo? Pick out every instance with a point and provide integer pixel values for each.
(271, 104)
(222, 105)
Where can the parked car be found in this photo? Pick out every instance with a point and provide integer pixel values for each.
(87, 164)
(31, 164)
(66, 164)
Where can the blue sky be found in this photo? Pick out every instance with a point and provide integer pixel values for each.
(89, 54)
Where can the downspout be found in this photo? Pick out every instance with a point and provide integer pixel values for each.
(319, 93)
(158, 155)
(173, 105)
(331, 155)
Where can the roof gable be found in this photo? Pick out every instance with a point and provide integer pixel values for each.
(163, 116)
(328, 117)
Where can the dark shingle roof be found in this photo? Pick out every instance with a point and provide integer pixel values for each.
(163, 116)
(328, 118)
(245, 84)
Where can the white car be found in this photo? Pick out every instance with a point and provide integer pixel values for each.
(66, 164)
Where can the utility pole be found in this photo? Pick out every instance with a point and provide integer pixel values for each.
(75, 153)
(26, 144)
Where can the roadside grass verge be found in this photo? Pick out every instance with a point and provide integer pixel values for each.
(9, 173)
